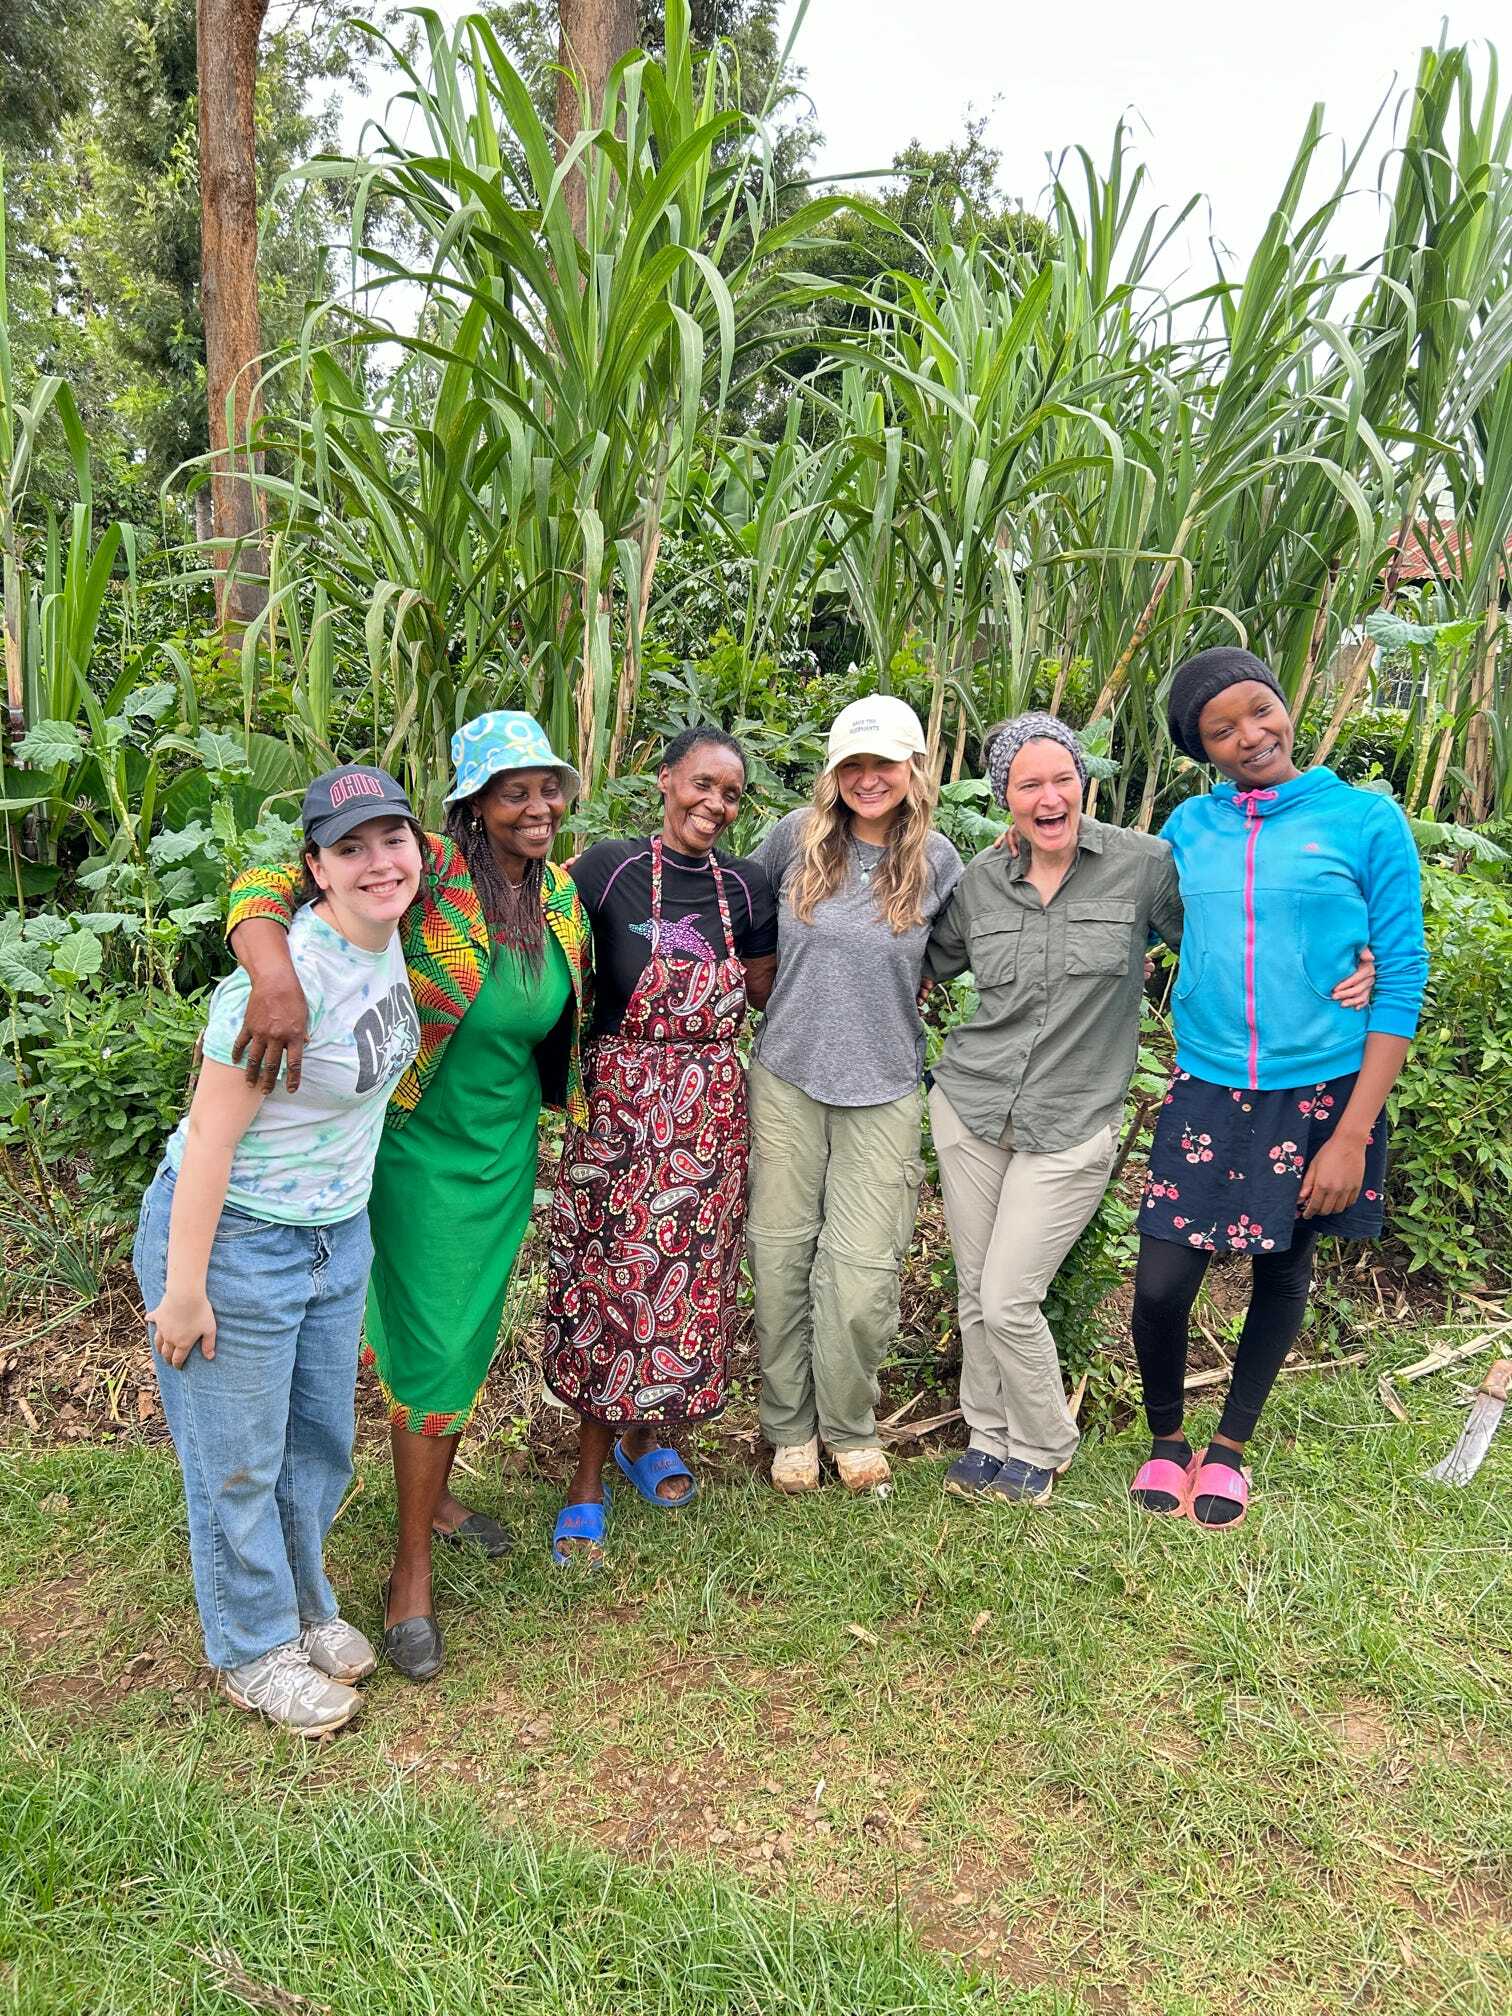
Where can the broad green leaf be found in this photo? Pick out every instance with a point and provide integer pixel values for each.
(18, 975)
(186, 918)
(219, 751)
(46, 745)
(77, 958)
(166, 848)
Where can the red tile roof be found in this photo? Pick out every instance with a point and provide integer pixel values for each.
(1428, 554)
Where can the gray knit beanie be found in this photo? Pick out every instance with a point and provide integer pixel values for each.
(1202, 679)
(1007, 741)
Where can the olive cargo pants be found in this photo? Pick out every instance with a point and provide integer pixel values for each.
(833, 1192)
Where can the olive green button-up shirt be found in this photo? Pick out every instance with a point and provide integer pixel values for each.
(1053, 1043)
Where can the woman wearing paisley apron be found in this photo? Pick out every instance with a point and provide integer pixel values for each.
(648, 1216)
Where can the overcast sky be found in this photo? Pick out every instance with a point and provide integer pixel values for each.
(1217, 92)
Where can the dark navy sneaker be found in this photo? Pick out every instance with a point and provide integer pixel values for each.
(1021, 1483)
(970, 1474)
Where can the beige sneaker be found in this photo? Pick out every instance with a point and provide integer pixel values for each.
(285, 1687)
(338, 1650)
(863, 1469)
(795, 1467)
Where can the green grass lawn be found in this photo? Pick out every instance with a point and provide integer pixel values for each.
(797, 1755)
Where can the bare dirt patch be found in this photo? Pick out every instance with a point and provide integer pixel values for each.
(66, 1657)
(1363, 1731)
(71, 1373)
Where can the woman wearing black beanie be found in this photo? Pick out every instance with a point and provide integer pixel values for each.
(1273, 1129)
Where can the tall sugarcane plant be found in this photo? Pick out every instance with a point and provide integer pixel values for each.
(494, 519)
(1078, 471)
(53, 588)
(1037, 470)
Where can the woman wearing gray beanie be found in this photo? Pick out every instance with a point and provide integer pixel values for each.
(1028, 1095)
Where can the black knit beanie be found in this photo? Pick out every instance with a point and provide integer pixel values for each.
(1201, 679)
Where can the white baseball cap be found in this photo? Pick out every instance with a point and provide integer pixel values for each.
(881, 726)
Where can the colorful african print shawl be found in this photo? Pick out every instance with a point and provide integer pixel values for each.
(446, 949)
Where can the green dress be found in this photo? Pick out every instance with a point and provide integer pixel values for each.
(452, 1195)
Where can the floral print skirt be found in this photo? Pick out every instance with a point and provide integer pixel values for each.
(1226, 1166)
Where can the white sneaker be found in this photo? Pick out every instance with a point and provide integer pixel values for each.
(285, 1687)
(338, 1650)
(795, 1467)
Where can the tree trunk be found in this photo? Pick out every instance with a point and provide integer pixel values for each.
(228, 32)
(594, 36)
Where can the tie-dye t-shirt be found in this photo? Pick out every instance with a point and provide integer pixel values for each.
(307, 1158)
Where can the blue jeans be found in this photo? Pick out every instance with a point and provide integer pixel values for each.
(264, 1429)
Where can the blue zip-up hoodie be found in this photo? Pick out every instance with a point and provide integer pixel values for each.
(1280, 889)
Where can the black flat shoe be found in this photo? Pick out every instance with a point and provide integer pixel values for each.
(415, 1645)
(480, 1531)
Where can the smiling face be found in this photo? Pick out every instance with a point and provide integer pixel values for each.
(521, 811)
(1247, 734)
(368, 877)
(700, 797)
(1044, 796)
(872, 787)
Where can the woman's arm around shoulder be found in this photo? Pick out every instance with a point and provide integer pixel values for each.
(562, 900)
(1163, 885)
(756, 933)
(949, 950)
(275, 1023)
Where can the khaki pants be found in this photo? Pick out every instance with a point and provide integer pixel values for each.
(832, 1197)
(1013, 1218)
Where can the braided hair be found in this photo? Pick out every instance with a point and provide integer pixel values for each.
(513, 910)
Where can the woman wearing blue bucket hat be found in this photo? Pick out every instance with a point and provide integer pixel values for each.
(496, 947)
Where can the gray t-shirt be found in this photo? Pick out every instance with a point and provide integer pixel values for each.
(843, 1021)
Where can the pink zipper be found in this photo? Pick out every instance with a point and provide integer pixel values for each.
(1249, 801)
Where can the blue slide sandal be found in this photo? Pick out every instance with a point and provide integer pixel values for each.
(647, 1471)
(580, 1522)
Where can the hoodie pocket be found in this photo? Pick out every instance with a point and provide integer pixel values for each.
(1298, 1018)
(1327, 931)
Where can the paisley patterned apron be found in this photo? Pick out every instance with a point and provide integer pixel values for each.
(648, 1215)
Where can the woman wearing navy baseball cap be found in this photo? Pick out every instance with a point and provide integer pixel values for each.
(496, 945)
(252, 1253)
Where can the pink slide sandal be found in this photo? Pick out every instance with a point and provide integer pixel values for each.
(1161, 1474)
(1217, 1480)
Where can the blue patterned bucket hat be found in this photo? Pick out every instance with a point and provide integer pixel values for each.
(503, 741)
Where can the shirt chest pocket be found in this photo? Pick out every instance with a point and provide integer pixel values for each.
(1099, 936)
(995, 953)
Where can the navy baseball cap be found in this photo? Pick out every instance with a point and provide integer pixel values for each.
(340, 799)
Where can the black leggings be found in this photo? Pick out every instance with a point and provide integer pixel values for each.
(1165, 1287)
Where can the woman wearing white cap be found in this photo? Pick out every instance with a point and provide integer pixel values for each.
(834, 1089)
